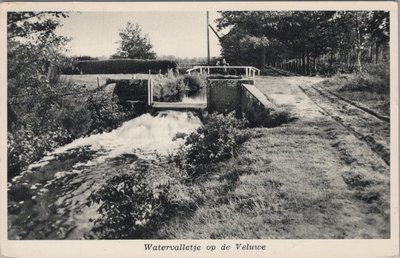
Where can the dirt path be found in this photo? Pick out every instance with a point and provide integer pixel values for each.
(351, 170)
(365, 126)
(311, 178)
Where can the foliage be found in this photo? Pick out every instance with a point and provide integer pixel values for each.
(374, 79)
(194, 82)
(277, 117)
(366, 82)
(216, 140)
(106, 112)
(34, 51)
(33, 24)
(116, 66)
(172, 87)
(25, 146)
(74, 115)
(133, 44)
(131, 206)
(300, 41)
(169, 87)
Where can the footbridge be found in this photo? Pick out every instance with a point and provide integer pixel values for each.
(248, 71)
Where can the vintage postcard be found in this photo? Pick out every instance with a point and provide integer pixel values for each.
(197, 129)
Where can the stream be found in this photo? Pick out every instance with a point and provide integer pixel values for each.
(49, 199)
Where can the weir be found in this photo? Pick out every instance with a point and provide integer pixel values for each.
(223, 94)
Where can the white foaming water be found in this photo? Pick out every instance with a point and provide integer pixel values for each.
(144, 134)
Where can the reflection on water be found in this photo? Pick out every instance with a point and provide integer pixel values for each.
(197, 97)
(48, 201)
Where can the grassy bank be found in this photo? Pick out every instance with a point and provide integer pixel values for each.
(301, 180)
(371, 88)
(288, 182)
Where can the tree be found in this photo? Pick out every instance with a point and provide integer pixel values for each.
(34, 51)
(295, 40)
(133, 44)
(33, 48)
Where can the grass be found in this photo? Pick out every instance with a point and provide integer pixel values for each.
(287, 182)
(308, 179)
(370, 88)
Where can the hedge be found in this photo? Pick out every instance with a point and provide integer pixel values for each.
(115, 66)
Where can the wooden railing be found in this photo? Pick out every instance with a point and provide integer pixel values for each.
(250, 71)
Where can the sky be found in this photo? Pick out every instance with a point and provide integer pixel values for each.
(182, 34)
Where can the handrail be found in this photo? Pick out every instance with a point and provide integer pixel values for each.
(250, 70)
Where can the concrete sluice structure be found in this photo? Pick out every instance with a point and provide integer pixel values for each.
(223, 95)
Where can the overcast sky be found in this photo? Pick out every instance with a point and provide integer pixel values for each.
(182, 34)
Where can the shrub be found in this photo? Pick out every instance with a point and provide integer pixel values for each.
(106, 112)
(215, 140)
(357, 180)
(133, 205)
(373, 81)
(115, 66)
(194, 82)
(74, 115)
(25, 146)
(277, 117)
(169, 88)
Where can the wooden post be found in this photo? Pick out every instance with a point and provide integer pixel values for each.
(98, 82)
(208, 39)
(149, 92)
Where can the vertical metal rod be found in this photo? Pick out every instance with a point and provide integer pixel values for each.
(208, 39)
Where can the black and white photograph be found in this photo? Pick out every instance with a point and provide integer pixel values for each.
(200, 124)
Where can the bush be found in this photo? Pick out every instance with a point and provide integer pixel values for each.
(194, 82)
(75, 116)
(374, 78)
(169, 88)
(214, 141)
(277, 117)
(25, 146)
(115, 66)
(106, 112)
(357, 180)
(134, 205)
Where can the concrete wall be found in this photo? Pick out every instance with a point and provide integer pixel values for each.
(255, 105)
(224, 95)
(227, 95)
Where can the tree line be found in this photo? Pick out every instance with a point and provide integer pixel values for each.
(305, 42)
